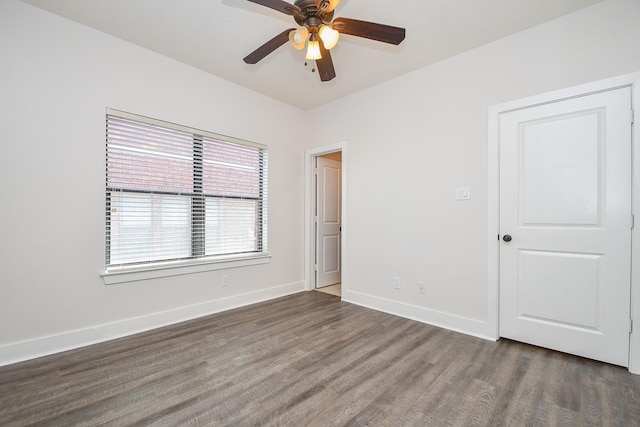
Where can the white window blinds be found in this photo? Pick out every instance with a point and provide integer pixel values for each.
(181, 194)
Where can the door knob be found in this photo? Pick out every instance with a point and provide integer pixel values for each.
(506, 237)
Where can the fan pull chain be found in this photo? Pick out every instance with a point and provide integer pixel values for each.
(313, 70)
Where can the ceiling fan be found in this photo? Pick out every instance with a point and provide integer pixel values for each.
(320, 32)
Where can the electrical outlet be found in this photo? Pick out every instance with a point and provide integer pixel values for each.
(225, 280)
(422, 288)
(396, 283)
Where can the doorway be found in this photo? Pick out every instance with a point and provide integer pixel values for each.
(328, 221)
(325, 214)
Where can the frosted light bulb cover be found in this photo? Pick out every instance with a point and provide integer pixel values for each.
(313, 50)
(329, 36)
(299, 37)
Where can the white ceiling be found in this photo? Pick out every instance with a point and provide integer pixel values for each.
(214, 36)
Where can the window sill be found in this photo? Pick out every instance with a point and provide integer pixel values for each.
(134, 274)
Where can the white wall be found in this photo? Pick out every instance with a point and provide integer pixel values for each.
(56, 79)
(414, 139)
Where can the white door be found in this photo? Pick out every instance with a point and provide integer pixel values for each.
(565, 202)
(328, 211)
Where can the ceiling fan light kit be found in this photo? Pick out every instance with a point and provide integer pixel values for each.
(320, 32)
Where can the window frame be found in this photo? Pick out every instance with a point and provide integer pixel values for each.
(198, 261)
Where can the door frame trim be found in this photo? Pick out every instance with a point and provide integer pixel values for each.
(309, 194)
(493, 200)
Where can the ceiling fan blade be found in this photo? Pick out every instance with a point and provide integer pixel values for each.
(268, 47)
(325, 64)
(369, 30)
(280, 6)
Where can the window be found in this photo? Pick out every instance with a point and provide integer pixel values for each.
(176, 195)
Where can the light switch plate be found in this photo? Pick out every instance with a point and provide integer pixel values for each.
(463, 193)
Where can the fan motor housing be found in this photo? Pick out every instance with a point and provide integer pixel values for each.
(311, 16)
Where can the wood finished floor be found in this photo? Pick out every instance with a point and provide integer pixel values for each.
(311, 360)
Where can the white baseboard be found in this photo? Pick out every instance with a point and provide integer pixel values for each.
(43, 346)
(465, 325)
